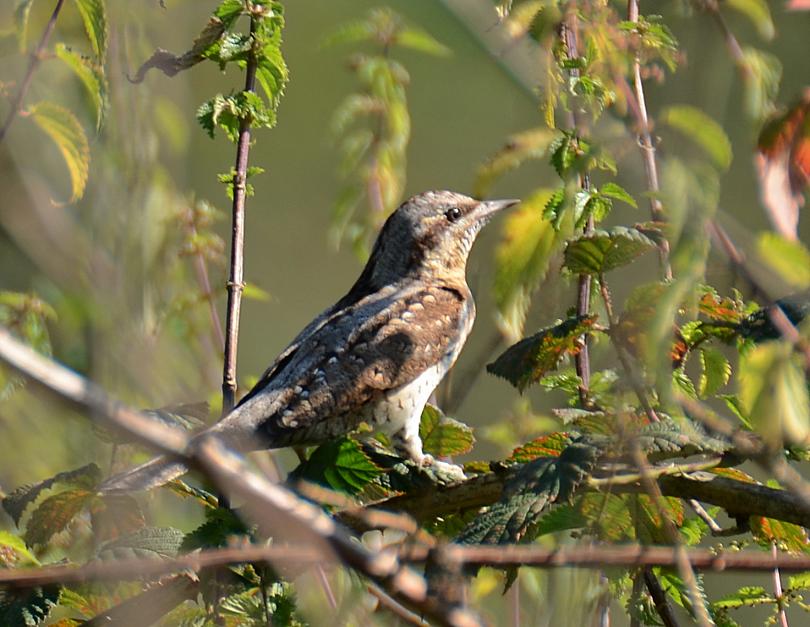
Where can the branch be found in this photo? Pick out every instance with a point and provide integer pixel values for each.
(275, 507)
(36, 57)
(237, 264)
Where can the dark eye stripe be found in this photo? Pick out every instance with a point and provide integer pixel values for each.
(453, 214)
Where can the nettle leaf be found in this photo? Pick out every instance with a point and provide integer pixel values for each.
(715, 371)
(747, 596)
(522, 258)
(789, 258)
(15, 504)
(220, 527)
(519, 148)
(550, 445)
(229, 11)
(95, 24)
(68, 135)
(787, 536)
(27, 608)
(617, 192)
(14, 553)
(341, 465)
(701, 129)
(150, 542)
(90, 74)
(530, 359)
(226, 112)
(601, 251)
(774, 392)
(54, 514)
(442, 436)
(537, 485)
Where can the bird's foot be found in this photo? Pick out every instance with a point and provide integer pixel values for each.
(442, 471)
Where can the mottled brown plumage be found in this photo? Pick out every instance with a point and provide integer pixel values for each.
(377, 354)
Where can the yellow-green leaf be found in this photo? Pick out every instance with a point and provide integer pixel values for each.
(790, 259)
(442, 436)
(602, 251)
(68, 135)
(716, 371)
(95, 24)
(14, 553)
(758, 12)
(701, 129)
(90, 74)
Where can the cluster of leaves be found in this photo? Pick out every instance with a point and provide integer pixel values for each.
(374, 125)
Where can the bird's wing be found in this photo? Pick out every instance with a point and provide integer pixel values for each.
(381, 343)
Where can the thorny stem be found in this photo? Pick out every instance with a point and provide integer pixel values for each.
(36, 57)
(236, 277)
(647, 146)
(582, 360)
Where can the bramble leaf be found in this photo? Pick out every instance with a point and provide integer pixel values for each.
(601, 251)
(150, 542)
(54, 514)
(341, 465)
(787, 536)
(530, 359)
(68, 135)
(550, 445)
(442, 436)
(715, 371)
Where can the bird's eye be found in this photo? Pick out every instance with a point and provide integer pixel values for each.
(452, 214)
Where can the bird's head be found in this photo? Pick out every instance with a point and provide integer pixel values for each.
(431, 233)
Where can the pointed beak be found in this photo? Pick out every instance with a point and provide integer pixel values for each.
(487, 208)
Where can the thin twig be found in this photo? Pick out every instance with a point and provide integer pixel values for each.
(647, 147)
(777, 591)
(237, 262)
(398, 609)
(36, 57)
(659, 598)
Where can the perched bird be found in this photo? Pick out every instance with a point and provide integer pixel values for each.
(376, 355)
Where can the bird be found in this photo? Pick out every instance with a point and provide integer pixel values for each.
(373, 357)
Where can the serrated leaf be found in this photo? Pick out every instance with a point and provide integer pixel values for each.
(617, 192)
(789, 258)
(758, 13)
(95, 24)
(601, 251)
(90, 74)
(14, 553)
(527, 495)
(550, 445)
(150, 542)
(701, 129)
(679, 438)
(340, 464)
(799, 581)
(68, 135)
(715, 371)
(530, 359)
(27, 608)
(787, 536)
(17, 501)
(220, 527)
(229, 11)
(651, 515)
(743, 596)
(774, 392)
(521, 261)
(54, 514)
(442, 436)
(607, 515)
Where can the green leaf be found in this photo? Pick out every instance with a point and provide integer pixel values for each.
(761, 81)
(442, 436)
(251, 291)
(702, 130)
(758, 12)
(677, 438)
(560, 518)
(27, 608)
(715, 373)
(68, 135)
(221, 526)
(532, 358)
(798, 582)
(787, 536)
(14, 553)
(15, 504)
(90, 74)
(95, 24)
(149, 542)
(526, 496)
(521, 261)
(519, 148)
(747, 596)
(55, 513)
(774, 392)
(421, 41)
(789, 258)
(229, 11)
(341, 465)
(21, 14)
(601, 251)
(617, 192)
